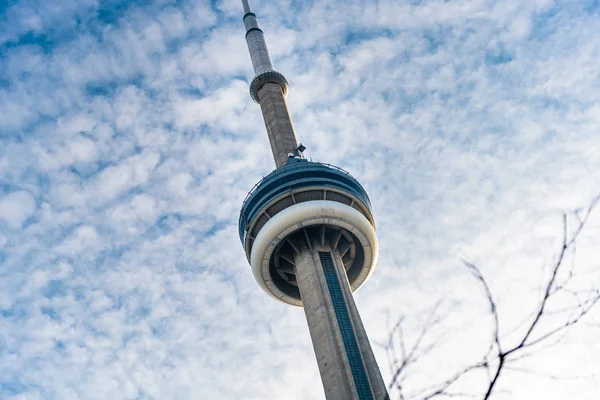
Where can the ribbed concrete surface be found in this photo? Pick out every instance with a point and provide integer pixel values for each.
(259, 53)
(278, 122)
(375, 378)
(328, 344)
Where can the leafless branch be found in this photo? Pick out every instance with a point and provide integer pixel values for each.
(408, 357)
(540, 330)
(490, 299)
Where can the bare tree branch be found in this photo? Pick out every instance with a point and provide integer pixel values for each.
(493, 309)
(541, 330)
(407, 358)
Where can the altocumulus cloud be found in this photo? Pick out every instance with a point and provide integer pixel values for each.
(16, 207)
(128, 142)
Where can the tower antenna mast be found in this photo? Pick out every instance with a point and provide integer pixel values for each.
(269, 89)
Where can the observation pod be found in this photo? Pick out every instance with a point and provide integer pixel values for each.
(306, 205)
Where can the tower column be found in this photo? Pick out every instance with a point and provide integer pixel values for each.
(278, 122)
(255, 38)
(269, 88)
(346, 362)
(309, 235)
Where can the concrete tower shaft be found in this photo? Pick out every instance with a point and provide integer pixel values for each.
(269, 89)
(346, 362)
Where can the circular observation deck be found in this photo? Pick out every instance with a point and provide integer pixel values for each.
(306, 205)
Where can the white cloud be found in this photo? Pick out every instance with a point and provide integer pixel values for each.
(16, 208)
(128, 144)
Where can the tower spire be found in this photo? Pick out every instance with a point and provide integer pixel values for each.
(269, 89)
(309, 235)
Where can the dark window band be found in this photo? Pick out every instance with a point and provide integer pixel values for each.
(361, 381)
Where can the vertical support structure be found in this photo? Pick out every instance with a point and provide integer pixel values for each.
(346, 362)
(278, 122)
(255, 38)
(269, 89)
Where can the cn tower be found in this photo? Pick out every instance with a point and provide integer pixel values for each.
(309, 235)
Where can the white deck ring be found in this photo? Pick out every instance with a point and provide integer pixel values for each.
(307, 214)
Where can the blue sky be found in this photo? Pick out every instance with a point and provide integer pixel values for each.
(128, 141)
